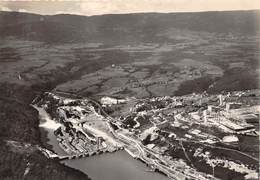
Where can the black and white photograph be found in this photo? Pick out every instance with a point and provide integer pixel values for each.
(129, 89)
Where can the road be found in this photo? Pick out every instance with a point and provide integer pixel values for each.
(156, 159)
(143, 151)
(217, 147)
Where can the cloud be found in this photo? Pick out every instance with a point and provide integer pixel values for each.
(22, 10)
(92, 7)
(69, 12)
(3, 8)
(97, 7)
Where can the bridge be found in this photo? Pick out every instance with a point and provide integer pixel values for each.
(51, 155)
(87, 154)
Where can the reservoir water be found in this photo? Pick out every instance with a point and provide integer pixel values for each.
(114, 166)
(47, 127)
(109, 166)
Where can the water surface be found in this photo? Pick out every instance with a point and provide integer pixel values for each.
(114, 166)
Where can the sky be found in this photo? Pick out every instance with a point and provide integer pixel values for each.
(97, 7)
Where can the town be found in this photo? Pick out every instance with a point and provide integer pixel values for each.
(196, 136)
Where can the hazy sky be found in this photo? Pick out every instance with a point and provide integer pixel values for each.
(96, 7)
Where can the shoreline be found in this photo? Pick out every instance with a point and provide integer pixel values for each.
(45, 139)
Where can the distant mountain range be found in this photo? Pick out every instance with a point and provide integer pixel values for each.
(118, 28)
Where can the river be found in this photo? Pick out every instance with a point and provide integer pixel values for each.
(109, 166)
(114, 166)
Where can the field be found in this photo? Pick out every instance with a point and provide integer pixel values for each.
(169, 69)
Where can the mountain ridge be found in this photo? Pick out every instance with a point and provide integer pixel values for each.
(117, 28)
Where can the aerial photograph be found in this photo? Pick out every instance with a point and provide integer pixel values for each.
(129, 89)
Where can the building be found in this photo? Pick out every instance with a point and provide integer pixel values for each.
(221, 100)
(230, 106)
(110, 101)
(230, 139)
(205, 116)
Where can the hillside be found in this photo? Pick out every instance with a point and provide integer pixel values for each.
(124, 27)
